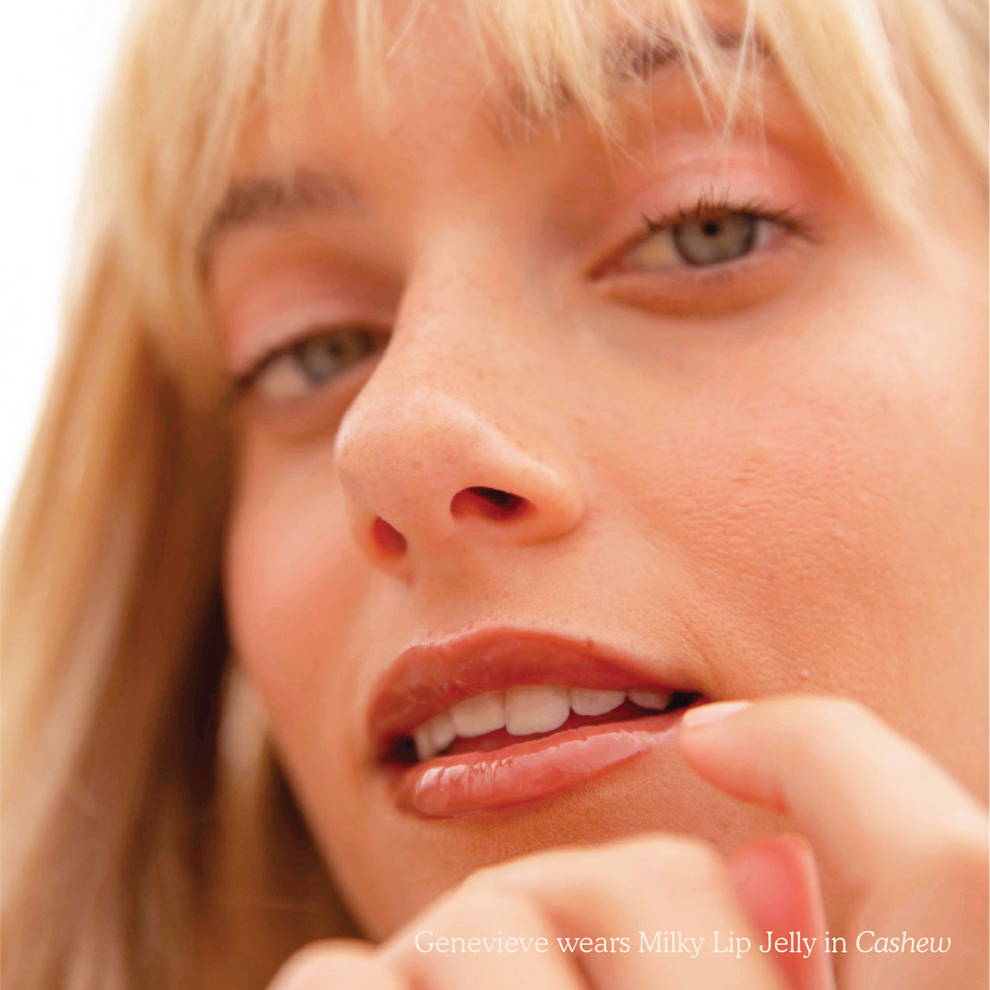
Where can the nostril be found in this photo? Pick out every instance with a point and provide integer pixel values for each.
(489, 503)
(387, 538)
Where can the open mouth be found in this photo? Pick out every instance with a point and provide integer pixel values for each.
(492, 721)
(496, 719)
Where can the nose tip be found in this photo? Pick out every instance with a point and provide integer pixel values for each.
(434, 475)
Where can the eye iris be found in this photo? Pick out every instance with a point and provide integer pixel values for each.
(708, 242)
(323, 357)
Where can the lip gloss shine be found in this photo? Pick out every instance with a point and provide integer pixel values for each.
(446, 787)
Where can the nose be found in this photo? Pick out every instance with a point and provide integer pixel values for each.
(425, 473)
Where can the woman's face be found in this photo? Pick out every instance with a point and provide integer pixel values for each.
(737, 451)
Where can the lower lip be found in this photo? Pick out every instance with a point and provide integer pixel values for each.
(449, 786)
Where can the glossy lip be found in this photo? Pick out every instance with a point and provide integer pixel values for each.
(528, 770)
(429, 678)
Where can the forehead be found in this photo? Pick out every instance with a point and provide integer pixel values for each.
(519, 67)
(448, 92)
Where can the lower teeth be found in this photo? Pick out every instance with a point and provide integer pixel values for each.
(403, 750)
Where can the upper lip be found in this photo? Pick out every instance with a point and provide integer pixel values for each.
(428, 678)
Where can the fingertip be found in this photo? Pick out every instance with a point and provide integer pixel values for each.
(705, 723)
(716, 711)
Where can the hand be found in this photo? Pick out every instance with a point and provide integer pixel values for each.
(653, 883)
(908, 843)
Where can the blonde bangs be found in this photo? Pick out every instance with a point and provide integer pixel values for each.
(198, 75)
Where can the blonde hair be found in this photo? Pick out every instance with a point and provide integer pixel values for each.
(150, 839)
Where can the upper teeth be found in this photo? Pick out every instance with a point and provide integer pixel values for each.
(522, 711)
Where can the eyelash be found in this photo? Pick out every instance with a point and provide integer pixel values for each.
(709, 206)
(712, 207)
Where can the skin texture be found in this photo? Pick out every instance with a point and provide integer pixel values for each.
(771, 475)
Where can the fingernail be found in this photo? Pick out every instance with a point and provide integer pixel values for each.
(715, 712)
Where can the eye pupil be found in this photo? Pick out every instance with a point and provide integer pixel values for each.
(712, 241)
(323, 357)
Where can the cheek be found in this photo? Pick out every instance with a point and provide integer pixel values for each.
(820, 486)
(293, 587)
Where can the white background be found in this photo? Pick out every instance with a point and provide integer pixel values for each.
(55, 58)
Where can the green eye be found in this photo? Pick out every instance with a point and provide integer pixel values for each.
(315, 360)
(710, 242)
(323, 358)
(709, 235)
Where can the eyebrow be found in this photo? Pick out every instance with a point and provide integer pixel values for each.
(638, 59)
(265, 199)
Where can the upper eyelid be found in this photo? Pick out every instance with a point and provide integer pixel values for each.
(275, 289)
(707, 209)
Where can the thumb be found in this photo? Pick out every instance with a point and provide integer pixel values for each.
(776, 881)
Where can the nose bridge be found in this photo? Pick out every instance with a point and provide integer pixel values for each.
(444, 448)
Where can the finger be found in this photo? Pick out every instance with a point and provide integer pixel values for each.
(776, 881)
(865, 796)
(336, 964)
(483, 939)
(909, 843)
(666, 896)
